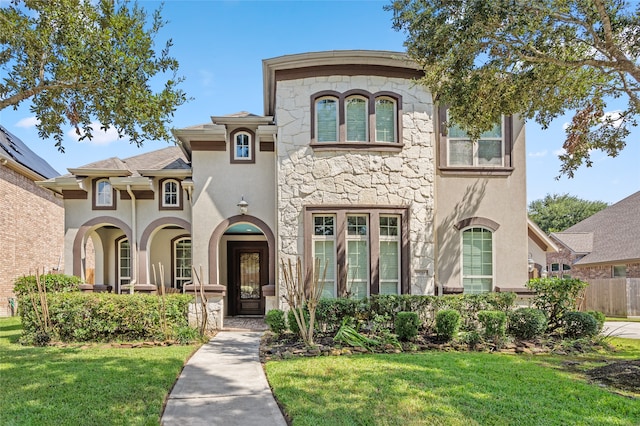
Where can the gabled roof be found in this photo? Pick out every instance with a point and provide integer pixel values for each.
(15, 149)
(615, 233)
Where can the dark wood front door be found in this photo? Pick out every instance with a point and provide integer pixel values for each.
(248, 271)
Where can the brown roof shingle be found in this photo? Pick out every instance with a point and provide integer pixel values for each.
(615, 230)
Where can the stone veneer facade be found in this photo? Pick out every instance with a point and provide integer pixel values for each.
(405, 178)
(31, 231)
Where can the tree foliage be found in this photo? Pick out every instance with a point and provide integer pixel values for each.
(83, 61)
(557, 212)
(540, 59)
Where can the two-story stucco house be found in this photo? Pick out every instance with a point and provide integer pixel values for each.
(351, 163)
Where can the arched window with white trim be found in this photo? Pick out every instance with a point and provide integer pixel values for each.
(477, 260)
(181, 262)
(386, 112)
(124, 261)
(104, 193)
(357, 119)
(326, 110)
(170, 193)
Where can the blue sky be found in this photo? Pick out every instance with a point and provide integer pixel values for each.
(220, 46)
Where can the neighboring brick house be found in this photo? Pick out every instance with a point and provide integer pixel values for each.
(605, 245)
(32, 218)
(351, 163)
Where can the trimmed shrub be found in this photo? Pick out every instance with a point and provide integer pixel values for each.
(447, 324)
(577, 325)
(600, 319)
(331, 312)
(276, 321)
(555, 296)
(527, 323)
(407, 324)
(101, 317)
(494, 324)
(53, 283)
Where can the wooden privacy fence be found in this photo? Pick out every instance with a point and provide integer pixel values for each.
(616, 297)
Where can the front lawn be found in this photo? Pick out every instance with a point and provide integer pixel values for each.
(91, 384)
(444, 388)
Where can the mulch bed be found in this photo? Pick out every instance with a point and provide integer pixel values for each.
(623, 375)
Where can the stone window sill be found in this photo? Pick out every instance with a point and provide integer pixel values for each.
(356, 146)
(476, 171)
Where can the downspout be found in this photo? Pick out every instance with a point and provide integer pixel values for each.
(134, 243)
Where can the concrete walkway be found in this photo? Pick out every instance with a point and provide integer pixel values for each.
(224, 384)
(628, 330)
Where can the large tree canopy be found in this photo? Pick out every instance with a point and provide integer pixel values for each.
(81, 61)
(555, 213)
(537, 58)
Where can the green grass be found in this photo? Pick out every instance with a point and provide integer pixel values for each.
(439, 388)
(92, 384)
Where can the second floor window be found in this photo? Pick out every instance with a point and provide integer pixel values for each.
(327, 120)
(242, 146)
(104, 193)
(487, 151)
(358, 117)
(170, 194)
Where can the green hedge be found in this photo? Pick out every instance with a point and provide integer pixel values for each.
(331, 312)
(82, 317)
(52, 282)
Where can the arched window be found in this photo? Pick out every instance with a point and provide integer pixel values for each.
(357, 119)
(181, 262)
(327, 119)
(170, 193)
(477, 260)
(124, 261)
(386, 111)
(103, 193)
(242, 147)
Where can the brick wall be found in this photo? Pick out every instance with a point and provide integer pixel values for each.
(31, 231)
(587, 273)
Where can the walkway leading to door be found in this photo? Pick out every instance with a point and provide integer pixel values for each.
(224, 384)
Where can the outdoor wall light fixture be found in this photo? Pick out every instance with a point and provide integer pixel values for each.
(531, 262)
(243, 206)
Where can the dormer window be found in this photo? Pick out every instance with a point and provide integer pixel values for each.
(243, 146)
(103, 195)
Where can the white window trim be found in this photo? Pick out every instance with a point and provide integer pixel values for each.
(235, 147)
(364, 238)
(395, 119)
(120, 276)
(475, 145)
(332, 238)
(393, 238)
(493, 258)
(366, 118)
(176, 278)
(99, 201)
(164, 193)
(337, 117)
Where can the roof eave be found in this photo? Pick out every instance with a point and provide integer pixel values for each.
(100, 172)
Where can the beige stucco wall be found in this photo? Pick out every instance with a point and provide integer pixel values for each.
(31, 231)
(80, 212)
(219, 186)
(502, 199)
(308, 177)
